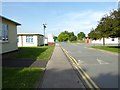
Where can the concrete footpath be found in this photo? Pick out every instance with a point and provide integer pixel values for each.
(59, 72)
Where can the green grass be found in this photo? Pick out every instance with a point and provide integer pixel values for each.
(37, 53)
(115, 49)
(40, 53)
(25, 77)
(21, 77)
(80, 41)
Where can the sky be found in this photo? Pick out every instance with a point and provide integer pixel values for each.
(59, 16)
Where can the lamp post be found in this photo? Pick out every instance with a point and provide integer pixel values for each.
(44, 26)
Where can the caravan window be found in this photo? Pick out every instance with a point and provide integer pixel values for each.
(29, 39)
(4, 32)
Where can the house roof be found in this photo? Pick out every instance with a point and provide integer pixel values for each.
(9, 20)
(29, 34)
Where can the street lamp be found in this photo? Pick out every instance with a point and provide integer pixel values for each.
(44, 26)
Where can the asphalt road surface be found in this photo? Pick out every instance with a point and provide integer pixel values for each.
(102, 67)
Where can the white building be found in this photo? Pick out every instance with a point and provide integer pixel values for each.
(108, 41)
(50, 40)
(30, 39)
(8, 35)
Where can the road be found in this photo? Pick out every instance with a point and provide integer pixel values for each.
(102, 67)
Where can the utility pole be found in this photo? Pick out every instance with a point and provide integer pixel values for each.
(44, 26)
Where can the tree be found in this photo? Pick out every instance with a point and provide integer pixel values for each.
(115, 23)
(55, 38)
(73, 38)
(63, 36)
(108, 26)
(81, 35)
(94, 34)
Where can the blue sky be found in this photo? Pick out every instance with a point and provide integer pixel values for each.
(60, 16)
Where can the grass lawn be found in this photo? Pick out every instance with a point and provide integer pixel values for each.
(115, 49)
(39, 53)
(25, 77)
(21, 77)
(42, 53)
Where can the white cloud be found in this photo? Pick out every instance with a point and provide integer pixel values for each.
(77, 21)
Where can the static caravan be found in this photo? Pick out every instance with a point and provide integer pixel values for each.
(108, 41)
(30, 39)
(8, 35)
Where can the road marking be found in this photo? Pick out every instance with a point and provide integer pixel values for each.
(81, 62)
(70, 57)
(101, 61)
(91, 84)
(88, 77)
(69, 51)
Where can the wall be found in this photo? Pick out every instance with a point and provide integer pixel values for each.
(22, 41)
(11, 45)
(107, 41)
(46, 40)
(40, 40)
(50, 39)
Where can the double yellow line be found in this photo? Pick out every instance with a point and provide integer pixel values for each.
(89, 82)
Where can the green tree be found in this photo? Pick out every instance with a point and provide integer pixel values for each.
(55, 38)
(115, 23)
(81, 35)
(73, 38)
(108, 26)
(94, 34)
(63, 36)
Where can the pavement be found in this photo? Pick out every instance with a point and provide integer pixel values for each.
(59, 72)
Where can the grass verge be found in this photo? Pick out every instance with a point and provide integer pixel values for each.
(80, 41)
(21, 77)
(115, 49)
(37, 53)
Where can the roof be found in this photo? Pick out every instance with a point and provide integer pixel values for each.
(30, 34)
(10, 20)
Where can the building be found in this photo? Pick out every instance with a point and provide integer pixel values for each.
(50, 40)
(30, 39)
(108, 41)
(46, 41)
(87, 40)
(8, 35)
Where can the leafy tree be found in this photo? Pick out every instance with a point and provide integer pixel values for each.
(55, 38)
(81, 35)
(115, 23)
(94, 34)
(63, 36)
(73, 38)
(108, 26)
